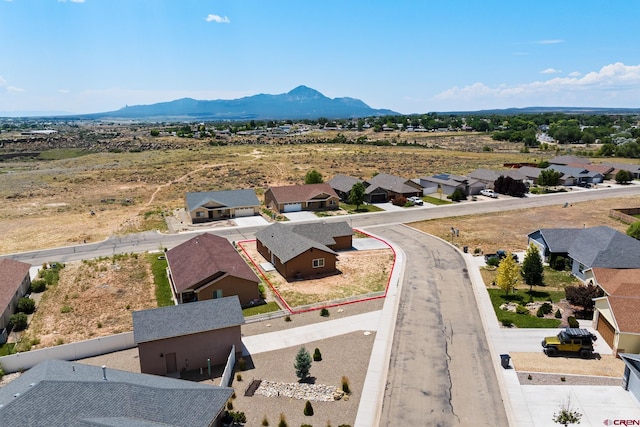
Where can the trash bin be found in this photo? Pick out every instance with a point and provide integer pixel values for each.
(465, 249)
(504, 360)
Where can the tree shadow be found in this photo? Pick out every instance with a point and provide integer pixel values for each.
(307, 380)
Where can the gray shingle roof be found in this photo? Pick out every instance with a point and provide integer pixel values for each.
(343, 183)
(595, 246)
(574, 172)
(60, 393)
(286, 241)
(396, 184)
(229, 198)
(185, 319)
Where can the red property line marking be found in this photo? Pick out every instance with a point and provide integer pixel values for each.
(284, 303)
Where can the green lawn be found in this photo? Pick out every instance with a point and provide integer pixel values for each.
(363, 208)
(523, 320)
(160, 279)
(436, 200)
(261, 309)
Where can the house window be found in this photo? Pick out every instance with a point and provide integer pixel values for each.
(581, 268)
(318, 263)
(332, 202)
(199, 214)
(217, 294)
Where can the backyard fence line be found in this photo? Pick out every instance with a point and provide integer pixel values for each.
(72, 351)
(225, 381)
(265, 316)
(625, 215)
(337, 302)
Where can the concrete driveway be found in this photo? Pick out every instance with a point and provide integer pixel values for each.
(301, 216)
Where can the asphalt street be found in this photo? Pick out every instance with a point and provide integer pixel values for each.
(440, 372)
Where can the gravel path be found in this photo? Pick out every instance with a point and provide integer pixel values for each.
(538, 378)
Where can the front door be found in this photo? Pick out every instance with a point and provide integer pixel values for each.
(172, 366)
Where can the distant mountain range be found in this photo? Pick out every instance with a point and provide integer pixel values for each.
(300, 103)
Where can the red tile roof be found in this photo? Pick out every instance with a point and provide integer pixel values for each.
(206, 258)
(12, 273)
(301, 193)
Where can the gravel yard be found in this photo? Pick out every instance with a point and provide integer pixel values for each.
(604, 366)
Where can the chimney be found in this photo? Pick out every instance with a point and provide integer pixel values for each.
(104, 372)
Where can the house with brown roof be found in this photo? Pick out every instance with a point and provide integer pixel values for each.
(384, 187)
(305, 197)
(302, 251)
(342, 185)
(188, 337)
(217, 205)
(14, 284)
(208, 267)
(616, 316)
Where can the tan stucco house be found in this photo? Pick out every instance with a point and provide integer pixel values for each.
(306, 197)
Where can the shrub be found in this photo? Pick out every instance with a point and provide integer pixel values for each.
(399, 201)
(38, 286)
(306, 425)
(477, 251)
(287, 319)
(229, 405)
(559, 263)
(507, 323)
(493, 261)
(546, 308)
(316, 355)
(558, 314)
(19, 321)
(66, 309)
(345, 385)
(540, 313)
(573, 323)
(324, 312)
(238, 417)
(308, 409)
(26, 305)
(457, 195)
(265, 421)
(242, 364)
(238, 377)
(283, 421)
(521, 309)
(1, 372)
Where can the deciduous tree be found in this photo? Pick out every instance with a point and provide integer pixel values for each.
(356, 195)
(507, 274)
(623, 177)
(313, 177)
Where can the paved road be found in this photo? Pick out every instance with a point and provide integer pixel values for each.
(440, 371)
(152, 240)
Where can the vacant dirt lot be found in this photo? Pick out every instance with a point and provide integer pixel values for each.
(606, 365)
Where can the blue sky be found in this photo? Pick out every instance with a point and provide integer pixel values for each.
(411, 56)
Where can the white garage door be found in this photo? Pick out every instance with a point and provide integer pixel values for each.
(244, 212)
(293, 207)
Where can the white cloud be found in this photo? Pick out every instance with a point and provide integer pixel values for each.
(613, 85)
(64, 91)
(550, 71)
(554, 41)
(4, 87)
(575, 74)
(217, 19)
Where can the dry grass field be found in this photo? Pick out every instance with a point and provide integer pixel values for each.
(48, 203)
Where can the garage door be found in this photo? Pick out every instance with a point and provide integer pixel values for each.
(244, 212)
(293, 207)
(606, 330)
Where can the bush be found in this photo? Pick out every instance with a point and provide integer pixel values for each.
(308, 409)
(540, 313)
(345, 385)
(238, 417)
(324, 312)
(559, 263)
(283, 421)
(38, 286)
(19, 321)
(265, 421)
(493, 261)
(558, 314)
(242, 364)
(507, 323)
(521, 309)
(229, 405)
(287, 319)
(546, 308)
(306, 425)
(399, 201)
(316, 355)
(26, 305)
(573, 323)
(457, 195)
(1, 372)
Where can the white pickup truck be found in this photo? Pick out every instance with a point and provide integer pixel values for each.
(489, 193)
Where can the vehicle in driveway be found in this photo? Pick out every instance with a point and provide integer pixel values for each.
(499, 255)
(571, 340)
(489, 193)
(416, 200)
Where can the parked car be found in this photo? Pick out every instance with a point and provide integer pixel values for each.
(416, 200)
(500, 255)
(571, 340)
(489, 193)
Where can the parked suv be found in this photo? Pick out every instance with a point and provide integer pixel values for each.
(489, 193)
(416, 200)
(571, 340)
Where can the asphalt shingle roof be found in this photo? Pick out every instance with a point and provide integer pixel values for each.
(185, 319)
(12, 273)
(301, 193)
(206, 258)
(343, 183)
(384, 181)
(71, 394)
(229, 198)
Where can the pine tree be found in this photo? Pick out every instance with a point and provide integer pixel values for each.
(303, 363)
(532, 270)
(507, 274)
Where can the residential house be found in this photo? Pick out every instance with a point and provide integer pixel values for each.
(342, 185)
(633, 168)
(576, 176)
(72, 394)
(604, 170)
(616, 314)
(568, 159)
(488, 177)
(306, 197)
(187, 337)
(448, 183)
(530, 173)
(299, 251)
(384, 187)
(631, 376)
(216, 205)
(14, 284)
(588, 247)
(208, 266)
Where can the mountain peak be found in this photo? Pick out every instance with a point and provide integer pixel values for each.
(303, 91)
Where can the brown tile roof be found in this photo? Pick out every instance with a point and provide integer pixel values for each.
(206, 258)
(621, 282)
(625, 311)
(12, 273)
(301, 193)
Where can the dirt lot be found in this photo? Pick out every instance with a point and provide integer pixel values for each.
(361, 272)
(606, 365)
